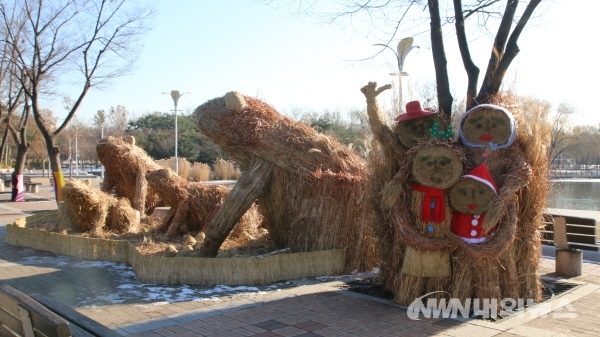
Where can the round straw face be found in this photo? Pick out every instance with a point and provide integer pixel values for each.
(485, 126)
(414, 130)
(471, 196)
(437, 166)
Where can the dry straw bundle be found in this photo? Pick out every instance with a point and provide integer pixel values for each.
(125, 167)
(311, 188)
(194, 204)
(94, 211)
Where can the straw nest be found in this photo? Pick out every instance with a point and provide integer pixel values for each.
(89, 210)
(125, 167)
(311, 189)
(194, 205)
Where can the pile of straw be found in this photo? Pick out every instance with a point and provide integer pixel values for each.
(93, 211)
(311, 189)
(194, 204)
(125, 167)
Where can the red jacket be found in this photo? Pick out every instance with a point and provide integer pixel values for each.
(469, 227)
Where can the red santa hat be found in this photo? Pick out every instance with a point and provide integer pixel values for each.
(482, 174)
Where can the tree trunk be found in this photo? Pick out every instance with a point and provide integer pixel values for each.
(55, 168)
(18, 190)
(3, 144)
(439, 59)
(463, 45)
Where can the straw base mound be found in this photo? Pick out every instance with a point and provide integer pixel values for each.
(151, 242)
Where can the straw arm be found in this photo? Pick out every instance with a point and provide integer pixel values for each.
(386, 137)
(498, 242)
(518, 176)
(248, 188)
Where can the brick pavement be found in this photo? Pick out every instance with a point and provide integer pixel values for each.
(306, 308)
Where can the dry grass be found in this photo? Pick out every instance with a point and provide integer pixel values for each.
(226, 170)
(200, 172)
(184, 166)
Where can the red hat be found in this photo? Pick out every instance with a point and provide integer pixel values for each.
(482, 174)
(414, 110)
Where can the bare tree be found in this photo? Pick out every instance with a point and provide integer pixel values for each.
(92, 42)
(388, 18)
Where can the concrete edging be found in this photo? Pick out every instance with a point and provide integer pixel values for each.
(177, 270)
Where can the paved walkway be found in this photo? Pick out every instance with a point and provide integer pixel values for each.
(110, 294)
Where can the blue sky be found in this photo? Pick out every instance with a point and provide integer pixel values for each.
(208, 48)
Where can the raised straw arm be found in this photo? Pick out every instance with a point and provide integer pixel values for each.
(386, 138)
(247, 189)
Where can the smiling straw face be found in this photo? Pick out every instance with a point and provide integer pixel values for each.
(471, 196)
(485, 126)
(437, 166)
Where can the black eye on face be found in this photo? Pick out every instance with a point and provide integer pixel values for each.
(479, 125)
(430, 163)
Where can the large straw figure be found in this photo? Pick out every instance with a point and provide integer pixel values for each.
(392, 144)
(310, 188)
(474, 275)
(422, 220)
(489, 132)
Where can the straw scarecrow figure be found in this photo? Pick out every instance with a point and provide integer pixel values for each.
(311, 190)
(474, 275)
(411, 127)
(489, 132)
(422, 219)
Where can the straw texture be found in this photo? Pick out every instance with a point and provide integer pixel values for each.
(311, 189)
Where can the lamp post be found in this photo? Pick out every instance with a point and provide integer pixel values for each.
(404, 47)
(176, 95)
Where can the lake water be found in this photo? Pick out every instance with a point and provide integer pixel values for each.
(575, 194)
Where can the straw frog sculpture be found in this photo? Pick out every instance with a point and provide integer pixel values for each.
(424, 218)
(310, 188)
(488, 133)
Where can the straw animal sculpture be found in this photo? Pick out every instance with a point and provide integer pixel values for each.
(385, 162)
(310, 188)
(193, 204)
(94, 211)
(125, 171)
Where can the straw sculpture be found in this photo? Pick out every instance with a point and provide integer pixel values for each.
(422, 218)
(310, 188)
(490, 135)
(534, 141)
(412, 126)
(94, 211)
(475, 275)
(194, 204)
(125, 171)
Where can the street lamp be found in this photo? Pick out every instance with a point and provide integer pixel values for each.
(175, 95)
(404, 47)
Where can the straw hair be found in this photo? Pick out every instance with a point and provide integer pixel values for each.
(311, 188)
(125, 166)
